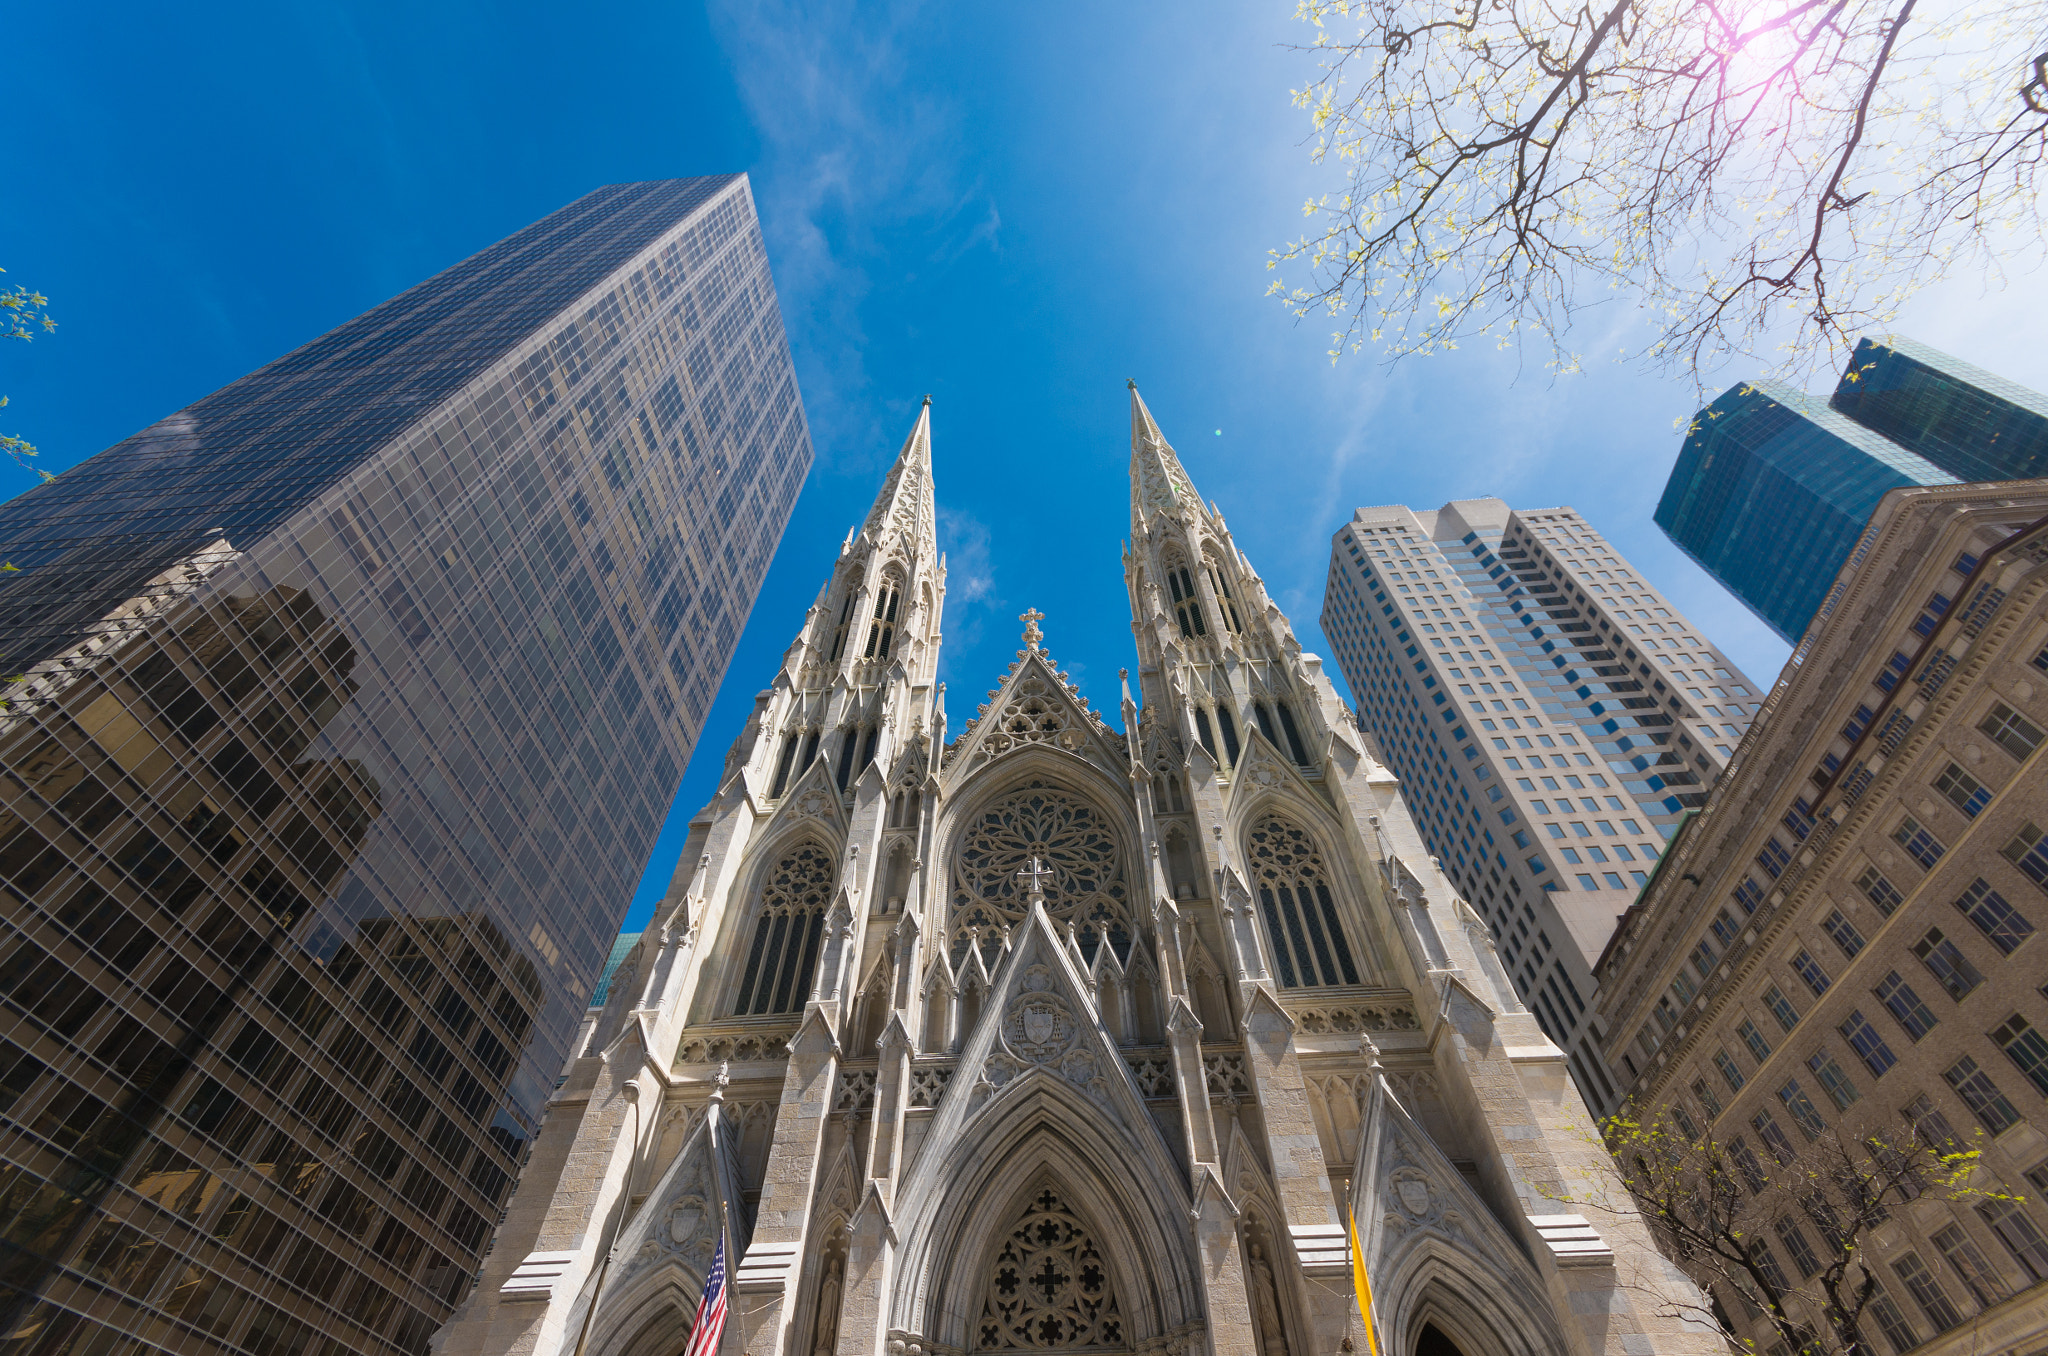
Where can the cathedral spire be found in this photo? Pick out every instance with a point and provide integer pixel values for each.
(1158, 482)
(905, 503)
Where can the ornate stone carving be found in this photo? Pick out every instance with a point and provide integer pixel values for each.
(856, 1092)
(1085, 884)
(1049, 1287)
(1226, 1075)
(928, 1084)
(1325, 1018)
(1040, 1030)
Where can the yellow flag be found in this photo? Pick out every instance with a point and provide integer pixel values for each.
(1361, 1285)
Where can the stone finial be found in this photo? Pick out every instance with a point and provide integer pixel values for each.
(1031, 617)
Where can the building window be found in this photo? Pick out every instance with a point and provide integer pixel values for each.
(1228, 605)
(1926, 1292)
(2017, 1230)
(1964, 792)
(1773, 1135)
(1946, 962)
(1808, 969)
(1801, 1109)
(2010, 730)
(1746, 1163)
(1996, 919)
(1228, 724)
(1705, 1094)
(1858, 723)
(784, 953)
(1781, 1008)
(1844, 934)
(1932, 1129)
(2026, 1048)
(1774, 858)
(1796, 1246)
(1905, 1005)
(1869, 1046)
(1187, 606)
(1922, 846)
(2028, 851)
(1759, 1048)
(839, 632)
(789, 743)
(1749, 894)
(1879, 891)
(882, 629)
(1833, 1081)
(1981, 1095)
(1302, 926)
(1971, 1264)
(1890, 1321)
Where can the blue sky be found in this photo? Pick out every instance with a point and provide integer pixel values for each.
(1012, 208)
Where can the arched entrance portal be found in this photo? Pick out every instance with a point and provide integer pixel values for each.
(1434, 1343)
(1048, 1287)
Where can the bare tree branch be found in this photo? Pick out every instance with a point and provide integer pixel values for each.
(1735, 164)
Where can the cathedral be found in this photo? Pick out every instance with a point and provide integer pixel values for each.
(1071, 1030)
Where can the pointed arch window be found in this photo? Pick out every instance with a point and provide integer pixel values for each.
(849, 744)
(1203, 732)
(839, 632)
(1229, 727)
(1308, 942)
(1225, 604)
(1187, 605)
(882, 629)
(782, 764)
(784, 951)
(1294, 745)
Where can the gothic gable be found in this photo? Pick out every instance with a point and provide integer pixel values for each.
(664, 1249)
(1433, 1250)
(1035, 706)
(812, 802)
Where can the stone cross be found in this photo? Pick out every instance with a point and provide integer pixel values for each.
(1036, 872)
(1031, 617)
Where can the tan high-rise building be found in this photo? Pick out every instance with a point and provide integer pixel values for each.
(1074, 1031)
(1552, 716)
(1844, 943)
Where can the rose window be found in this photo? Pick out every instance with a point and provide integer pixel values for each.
(1079, 853)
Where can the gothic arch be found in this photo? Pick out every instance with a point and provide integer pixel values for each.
(737, 928)
(1437, 1285)
(1354, 891)
(1304, 909)
(963, 1197)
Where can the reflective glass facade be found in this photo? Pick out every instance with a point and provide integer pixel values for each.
(351, 700)
(1772, 489)
(1972, 424)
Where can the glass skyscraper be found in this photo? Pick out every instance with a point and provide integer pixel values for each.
(344, 707)
(1772, 489)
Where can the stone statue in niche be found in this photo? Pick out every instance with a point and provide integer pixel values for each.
(829, 1291)
(1266, 1303)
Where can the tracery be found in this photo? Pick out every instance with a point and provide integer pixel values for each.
(785, 946)
(1308, 942)
(1049, 1287)
(1078, 847)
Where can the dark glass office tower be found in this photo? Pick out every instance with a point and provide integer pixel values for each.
(343, 709)
(1970, 423)
(1772, 488)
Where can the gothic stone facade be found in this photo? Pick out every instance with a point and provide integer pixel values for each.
(1071, 1033)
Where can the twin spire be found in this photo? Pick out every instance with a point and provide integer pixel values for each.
(907, 501)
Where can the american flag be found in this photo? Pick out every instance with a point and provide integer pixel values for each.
(710, 1324)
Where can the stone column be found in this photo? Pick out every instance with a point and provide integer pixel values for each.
(766, 1281)
(1300, 1178)
(1224, 1297)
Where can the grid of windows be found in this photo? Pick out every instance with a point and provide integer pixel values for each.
(314, 854)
